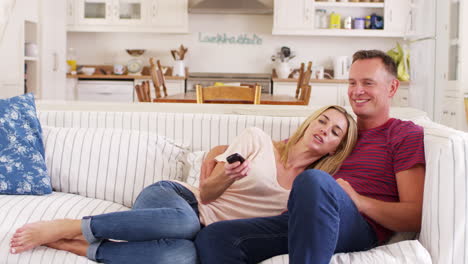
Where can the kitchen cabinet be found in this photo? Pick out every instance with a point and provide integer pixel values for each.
(292, 16)
(453, 113)
(105, 91)
(450, 67)
(401, 98)
(335, 93)
(299, 17)
(53, 49)
(16, 21)
(321, 93)
(169, 16)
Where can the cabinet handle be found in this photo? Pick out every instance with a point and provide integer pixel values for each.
(55, 62)
(452, 113)
(155, 8)
(70, 9)
(445, 112)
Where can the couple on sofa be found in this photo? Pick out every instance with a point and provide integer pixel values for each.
(327, 189)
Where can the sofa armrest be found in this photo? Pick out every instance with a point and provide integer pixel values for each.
(445, 206)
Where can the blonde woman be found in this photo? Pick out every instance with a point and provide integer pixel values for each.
(167, 215)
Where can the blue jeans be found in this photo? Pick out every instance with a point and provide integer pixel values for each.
(321, 220)
(160, 228)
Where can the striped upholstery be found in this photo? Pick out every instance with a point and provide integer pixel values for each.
(445, 211)
(444, 231)
(15, 211)
(197, 131)
(109, 164)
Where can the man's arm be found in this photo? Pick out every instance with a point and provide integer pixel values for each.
(402, 216)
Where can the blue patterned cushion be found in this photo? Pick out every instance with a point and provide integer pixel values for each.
(22, 163)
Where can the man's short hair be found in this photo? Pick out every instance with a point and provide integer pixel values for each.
(387, 61)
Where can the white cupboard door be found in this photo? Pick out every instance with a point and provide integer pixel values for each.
(53, 44)
(71, 12)
(11, 50)
(284, 88)
(324, 94)
(423, 15)
(291, 16)
(130, 12)
(95, 12)
(169, 15)
(397, 17)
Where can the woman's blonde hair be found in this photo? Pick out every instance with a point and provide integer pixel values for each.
(328, 163)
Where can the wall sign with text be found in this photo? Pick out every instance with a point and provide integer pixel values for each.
(224, 38)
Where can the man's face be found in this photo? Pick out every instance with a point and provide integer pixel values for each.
(371, 89)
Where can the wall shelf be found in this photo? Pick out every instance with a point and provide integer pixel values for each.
(30, 58)
(349, 4)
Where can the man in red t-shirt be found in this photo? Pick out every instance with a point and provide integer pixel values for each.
(377, 191)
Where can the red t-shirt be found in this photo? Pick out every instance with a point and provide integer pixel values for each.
(379, 154)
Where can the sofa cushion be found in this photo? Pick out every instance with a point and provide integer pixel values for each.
(22, 166)
(15, 211)
(109, 164)
(410, 251)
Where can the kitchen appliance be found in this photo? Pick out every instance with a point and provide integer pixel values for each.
(135, 66)
(341, 65)
(229, 7)
(209, 79)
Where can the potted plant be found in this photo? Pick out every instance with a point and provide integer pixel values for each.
(282, 58)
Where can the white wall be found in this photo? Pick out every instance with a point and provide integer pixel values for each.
(109, 48)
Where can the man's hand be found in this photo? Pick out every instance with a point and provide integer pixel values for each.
(356, 197)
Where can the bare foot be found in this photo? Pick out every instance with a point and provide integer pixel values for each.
(76, 246)
(32, 235)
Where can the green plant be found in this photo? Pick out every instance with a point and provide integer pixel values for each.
(401, 57)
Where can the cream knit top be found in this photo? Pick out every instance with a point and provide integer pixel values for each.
(256, 195)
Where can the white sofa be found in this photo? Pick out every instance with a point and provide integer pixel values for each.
(99, 158)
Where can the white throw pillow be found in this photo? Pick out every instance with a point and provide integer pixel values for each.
(192, 168)
(109, 164)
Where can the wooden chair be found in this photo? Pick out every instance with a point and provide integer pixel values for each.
(143, 92)
(304, 79)
(158, 77)
(228, 94)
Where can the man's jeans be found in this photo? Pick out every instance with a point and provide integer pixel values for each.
(321, 220)
(160, 228)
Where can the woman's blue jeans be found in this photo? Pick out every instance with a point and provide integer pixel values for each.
(321, 220)
(160, 228)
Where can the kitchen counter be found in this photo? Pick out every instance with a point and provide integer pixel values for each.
(292, 80)
(104, 72)
(123, 76)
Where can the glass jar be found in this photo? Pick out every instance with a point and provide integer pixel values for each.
(71, 60)
(324, 19)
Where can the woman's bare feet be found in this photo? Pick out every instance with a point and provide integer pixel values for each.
(32, 235)
(76, 246)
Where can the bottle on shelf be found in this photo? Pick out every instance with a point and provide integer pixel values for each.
(71, 60)
(335, 21)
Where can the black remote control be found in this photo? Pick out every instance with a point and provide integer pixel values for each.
(235, 157)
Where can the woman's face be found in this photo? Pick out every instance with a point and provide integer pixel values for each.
(325, 133)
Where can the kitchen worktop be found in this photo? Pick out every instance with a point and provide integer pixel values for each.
(104, 72)
(123, 76)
